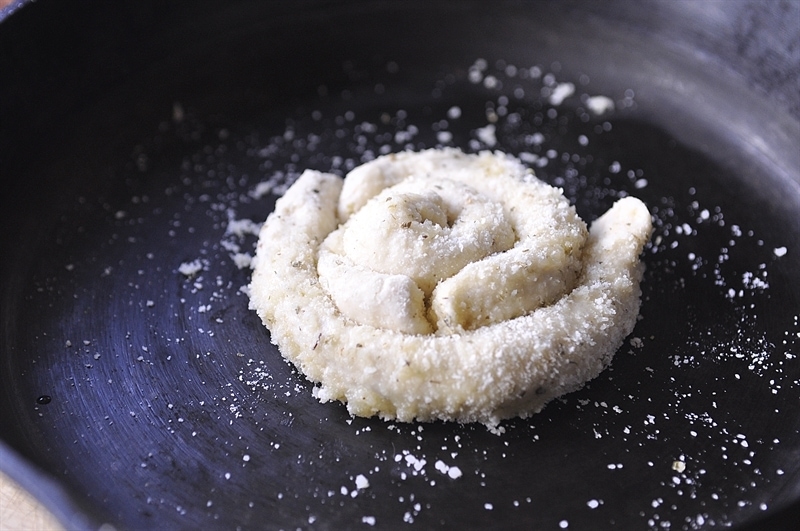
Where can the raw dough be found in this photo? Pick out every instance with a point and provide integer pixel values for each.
(441, 285)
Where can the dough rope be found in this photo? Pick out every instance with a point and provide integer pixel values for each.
(441, 285)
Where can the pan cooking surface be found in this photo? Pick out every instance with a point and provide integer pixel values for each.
(142, 382)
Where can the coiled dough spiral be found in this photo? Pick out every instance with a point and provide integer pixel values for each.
(442, 285)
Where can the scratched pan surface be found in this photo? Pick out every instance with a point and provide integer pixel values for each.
(143, 143)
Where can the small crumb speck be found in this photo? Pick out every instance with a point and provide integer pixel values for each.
(361, 482)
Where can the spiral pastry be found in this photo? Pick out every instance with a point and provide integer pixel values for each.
(441, 285)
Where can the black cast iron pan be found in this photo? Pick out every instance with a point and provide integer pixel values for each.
(137, 389)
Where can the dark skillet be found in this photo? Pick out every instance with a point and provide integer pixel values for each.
(132, 134)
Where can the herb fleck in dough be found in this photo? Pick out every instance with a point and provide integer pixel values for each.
(442, 285)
